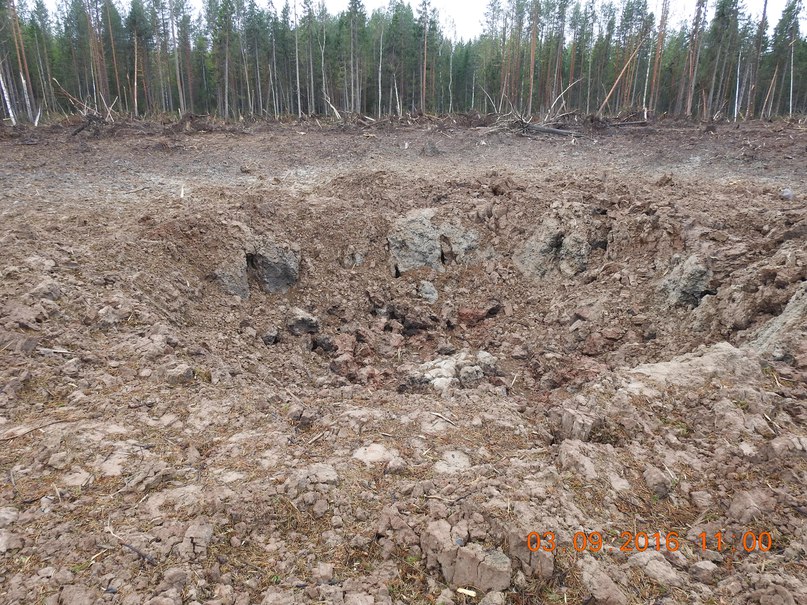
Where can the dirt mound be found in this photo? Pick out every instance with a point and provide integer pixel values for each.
(282, 369)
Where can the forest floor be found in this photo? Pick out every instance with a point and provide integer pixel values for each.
(289, 364)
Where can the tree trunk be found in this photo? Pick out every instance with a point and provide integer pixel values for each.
(533, 41)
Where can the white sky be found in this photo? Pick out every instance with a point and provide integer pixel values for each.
(465, 16)
(468, 15)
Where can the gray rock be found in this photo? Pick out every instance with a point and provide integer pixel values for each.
(232, 277)
(785, 332)
(301, 322)
(181, 374)
(576, 424)
(493, 598)
(276, 596)
(749, 506)
(196, 540)
(484, 570)
(9, 541)
(786, 194)
(688, 282)
(47, 288)
(271, 336)
(604, 590)
(414, 242)
(427, 292)
(541, 251)
(704, 571)
(701, 500)
(656, 567)
(8, 515)
(274, 267)
(78, 594)
(471, 376)
(658, 482)
(574, 252)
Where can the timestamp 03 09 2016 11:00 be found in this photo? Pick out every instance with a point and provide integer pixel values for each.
(639, 541)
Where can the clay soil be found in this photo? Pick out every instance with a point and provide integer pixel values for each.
(617, 346)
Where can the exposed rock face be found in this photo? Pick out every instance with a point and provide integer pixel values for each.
(415, 241)
(688, 282)
(558, 243)
(274, 267)
(302, 322)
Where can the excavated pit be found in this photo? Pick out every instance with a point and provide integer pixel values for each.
(354, 375)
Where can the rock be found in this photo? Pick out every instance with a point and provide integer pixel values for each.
(576, 424)
(274, 267)
(196, 540)
(484, 570)
(439, 548)
(604, 590)
(48, 288)
(658, 482)
(78, 594)
(9, 541)
(181, 374)
(301, 322)
(688, 282)
(276, 596)
(415, 242)
(540, 252)
(323, 573)
(427, 292)
(452, 462)
(697, 369)
(749, 506)
(701, 500)
(8, 515)
(786, 333)
(271, 336)
(472, 316)
(656, 567)
(493, 598)
(232, 277)
(704, 571)
(471, 376)
(786, 194)
(320, 473)
(374, 453)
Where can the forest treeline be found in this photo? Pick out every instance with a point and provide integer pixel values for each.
(240, 59)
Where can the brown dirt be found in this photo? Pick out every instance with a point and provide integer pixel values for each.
(140, 404)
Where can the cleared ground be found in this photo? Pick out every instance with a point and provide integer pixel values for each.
(288, 364)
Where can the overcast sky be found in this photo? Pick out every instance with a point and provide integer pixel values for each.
(463, 18)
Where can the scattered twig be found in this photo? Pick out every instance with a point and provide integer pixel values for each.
(36, 428)
(439, 415)
(143, 555)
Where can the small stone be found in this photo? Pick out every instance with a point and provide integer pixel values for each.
(9, 541)
(77, 594)
(301, 322)
(181, 374)
(704, 571)
(786, 194)
(604, 590)
(657, 481)
(8, 515)
(471, 376)
(270, 336)
(320, 508)
(428, 292)
(701, 500)
(493, 598)
(323, 573)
